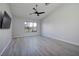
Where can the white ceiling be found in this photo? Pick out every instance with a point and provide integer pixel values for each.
(22, 10)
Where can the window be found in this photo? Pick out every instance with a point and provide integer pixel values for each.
(30, 26)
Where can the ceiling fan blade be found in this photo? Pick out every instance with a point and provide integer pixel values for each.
(36, 6)
(41, 12)
(34, 9)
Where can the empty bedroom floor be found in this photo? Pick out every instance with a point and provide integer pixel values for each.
(40, 46)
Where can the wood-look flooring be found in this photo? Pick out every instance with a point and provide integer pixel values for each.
(40, 46)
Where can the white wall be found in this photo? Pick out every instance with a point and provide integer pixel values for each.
(5, 34)
(18, 28)
(21, 12)
(63, 24)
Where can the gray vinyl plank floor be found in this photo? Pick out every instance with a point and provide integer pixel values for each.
(40, 46)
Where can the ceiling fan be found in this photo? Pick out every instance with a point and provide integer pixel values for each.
(36, 12)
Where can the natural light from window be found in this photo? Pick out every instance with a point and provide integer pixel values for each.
(30, 26)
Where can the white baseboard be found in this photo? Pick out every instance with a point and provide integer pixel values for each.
(25, 36)
(73, 43)
(5, 47)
